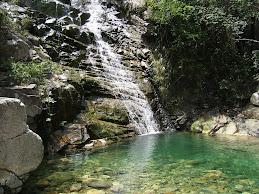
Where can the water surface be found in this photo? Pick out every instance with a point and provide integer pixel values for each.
(159, 163)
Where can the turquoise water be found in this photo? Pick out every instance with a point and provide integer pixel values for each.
(160, 163)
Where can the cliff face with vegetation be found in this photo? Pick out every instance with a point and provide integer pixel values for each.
(205, 55)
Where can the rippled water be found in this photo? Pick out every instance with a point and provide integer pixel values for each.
(159, 163)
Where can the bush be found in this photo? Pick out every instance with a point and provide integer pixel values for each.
(34, 71)
(198, 40)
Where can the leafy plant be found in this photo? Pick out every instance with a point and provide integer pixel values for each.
(199, 47)
(34, 71)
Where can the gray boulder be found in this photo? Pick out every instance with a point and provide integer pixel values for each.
(21, 150)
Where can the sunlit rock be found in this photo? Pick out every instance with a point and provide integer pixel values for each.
(21, 150)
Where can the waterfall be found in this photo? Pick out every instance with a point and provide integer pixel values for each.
(121, 79)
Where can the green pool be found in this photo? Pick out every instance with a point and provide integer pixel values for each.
(160, 163)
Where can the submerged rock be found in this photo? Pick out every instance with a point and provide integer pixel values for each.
(99, 184)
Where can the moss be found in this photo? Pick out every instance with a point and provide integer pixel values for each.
(106, 118)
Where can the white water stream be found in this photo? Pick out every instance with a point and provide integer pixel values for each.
(122, 79)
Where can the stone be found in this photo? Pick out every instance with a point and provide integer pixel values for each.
(84, 17)
(23, 153)
(12, 118)
(71, 134)
(116, 187)
(99, 184)
(66, 1)
(75, 187)
(95, 191)
(228, 129)
(50, 8)
(248, 127)
(255, 98)
(210, 123)
(41, 30)
(42, 184)
(51, 21)
(60, 177)
(251, 112)
(10, 180)
(16, 47)
(21, 150)
(65, 20)
(72, 31)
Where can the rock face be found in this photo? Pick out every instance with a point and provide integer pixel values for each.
(215, 123)
(21, 150)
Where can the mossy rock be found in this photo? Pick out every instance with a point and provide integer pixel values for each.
(106, 117)
(109, 110)
(102, 129)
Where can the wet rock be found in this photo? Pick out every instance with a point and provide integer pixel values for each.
(168, 190)
(210, 123)
(117, 187)
(41, 30)
(84, 17)
(51, 21)
(66, 1)
(213, 174)
(99, 184)
(94, 191)
(72, 31)
(72, 134)
(75, 187)
(65, 20)
(52, 52)
(50, 8)
(60, 177)
(42, 184)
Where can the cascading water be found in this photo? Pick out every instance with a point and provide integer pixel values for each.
(122, 80)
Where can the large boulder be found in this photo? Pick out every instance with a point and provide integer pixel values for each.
(21, 150)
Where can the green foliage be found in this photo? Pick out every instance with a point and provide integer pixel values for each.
(198, 42)
(34, 71)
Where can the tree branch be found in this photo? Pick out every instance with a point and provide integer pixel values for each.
(246, 39)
